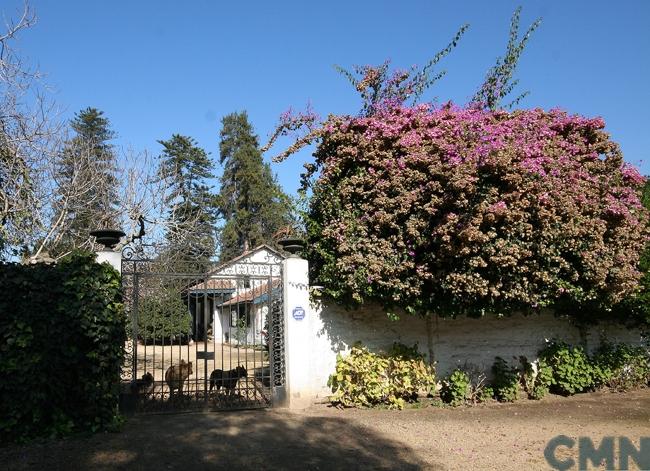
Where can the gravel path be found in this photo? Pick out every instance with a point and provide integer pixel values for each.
(493, 436)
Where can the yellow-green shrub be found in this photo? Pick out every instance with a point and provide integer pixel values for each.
(367, 379)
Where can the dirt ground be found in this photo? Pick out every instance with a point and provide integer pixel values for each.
(493, 436)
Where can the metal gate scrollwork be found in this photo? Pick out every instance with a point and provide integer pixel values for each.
(201, 336)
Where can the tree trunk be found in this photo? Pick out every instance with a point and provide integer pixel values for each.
(429, 322)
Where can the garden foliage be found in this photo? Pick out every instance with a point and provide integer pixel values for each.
(62, 334)
(505, 382)
(163, 316)
(464, 210)
(455, 390)
(573, 372)
(367, 379)
(537, 377)
(622, 367)
(615, 366)
(467, 384)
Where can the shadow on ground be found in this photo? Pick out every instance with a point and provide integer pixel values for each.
(233, 440)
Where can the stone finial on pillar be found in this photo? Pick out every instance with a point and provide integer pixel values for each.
(109, 238)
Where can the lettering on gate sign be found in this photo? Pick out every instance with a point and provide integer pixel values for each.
(298, 313)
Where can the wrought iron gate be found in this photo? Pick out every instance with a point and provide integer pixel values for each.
(202, 338)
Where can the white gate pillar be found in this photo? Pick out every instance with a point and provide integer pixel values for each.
(109, 238)
(298, 330)
(111, 257)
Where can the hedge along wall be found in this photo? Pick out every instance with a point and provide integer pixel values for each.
(62, 334)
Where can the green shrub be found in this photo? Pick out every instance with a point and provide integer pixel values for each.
(62, 332)
(241, 331)
(572, 370)
(479, 391)
(537, 378)
(366, 379)
(456, 388)
(621, 367)
(163, 316)
(505, 381)
(486, 394)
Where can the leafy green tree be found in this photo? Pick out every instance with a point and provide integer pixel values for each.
(163, 316)
(88, 164)
(192, 214)
(251, 201)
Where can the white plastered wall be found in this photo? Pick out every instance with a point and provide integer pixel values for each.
(327, 329)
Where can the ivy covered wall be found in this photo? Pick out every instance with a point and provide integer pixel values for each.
(62, 334)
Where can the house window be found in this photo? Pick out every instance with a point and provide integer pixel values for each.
(247, 282)
(240, 311)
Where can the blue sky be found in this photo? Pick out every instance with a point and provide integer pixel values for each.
(162, 67)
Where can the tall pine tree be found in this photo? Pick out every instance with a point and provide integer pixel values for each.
(251, 201)
(192, 215)
(87, 164)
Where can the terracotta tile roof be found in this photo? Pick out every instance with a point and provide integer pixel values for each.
(251, 294)
(214, 284)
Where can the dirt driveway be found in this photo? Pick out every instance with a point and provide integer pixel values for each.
(494, 436)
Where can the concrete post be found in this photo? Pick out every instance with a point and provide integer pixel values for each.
(111, 257)
(298, 325)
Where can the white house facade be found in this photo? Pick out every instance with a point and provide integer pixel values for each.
(237, 295)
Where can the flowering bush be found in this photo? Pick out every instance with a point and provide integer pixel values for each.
(462, 210)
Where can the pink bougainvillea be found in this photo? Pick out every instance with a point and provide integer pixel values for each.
(453, 210)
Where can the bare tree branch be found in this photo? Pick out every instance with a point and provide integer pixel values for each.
(26, 136)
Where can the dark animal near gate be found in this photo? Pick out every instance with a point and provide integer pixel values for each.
(227, 379)
(176, 376)
(142, 385)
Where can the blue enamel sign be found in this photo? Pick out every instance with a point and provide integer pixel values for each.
(298, 313)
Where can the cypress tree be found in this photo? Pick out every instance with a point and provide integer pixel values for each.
(251, 201)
